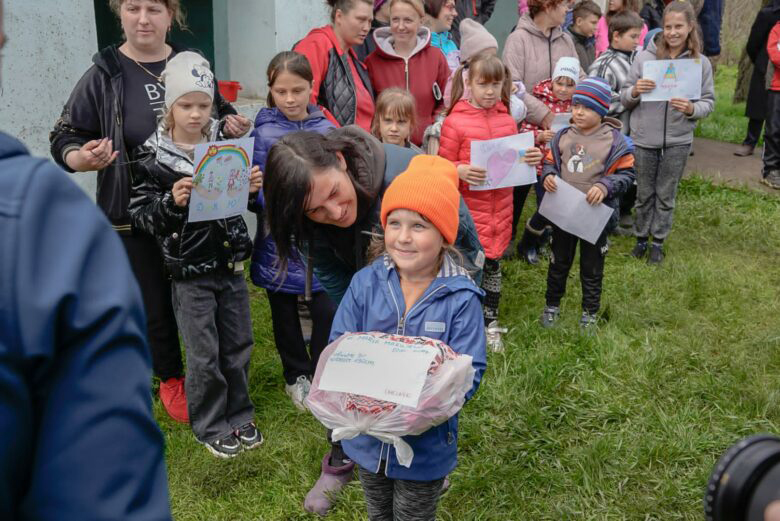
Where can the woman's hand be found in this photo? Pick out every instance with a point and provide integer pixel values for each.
(533, 156)
(642, 86)
(595, 195)
(181, 191)
(473, 175)
(550, 185)
(682, 105)
(255, 180)
(545, 136)
(236, 126)
(93, 155)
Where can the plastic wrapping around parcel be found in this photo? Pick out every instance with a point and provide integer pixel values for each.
(388, 386)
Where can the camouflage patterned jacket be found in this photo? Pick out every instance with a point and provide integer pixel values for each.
(189, 249)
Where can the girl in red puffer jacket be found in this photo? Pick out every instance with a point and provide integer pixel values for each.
(483, 116)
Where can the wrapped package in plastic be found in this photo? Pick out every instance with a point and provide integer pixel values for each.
(449, 377)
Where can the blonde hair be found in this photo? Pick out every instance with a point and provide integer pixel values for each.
(417, 5)
(173, 6)
(397, 103)
(693, 42)
(487, 67)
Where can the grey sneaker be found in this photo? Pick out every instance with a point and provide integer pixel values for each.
(227, 447)
(549, 316)
(493, 333)
(772, 179)
(656, 256)
(249, 436)
(588, 321)
(299, 391)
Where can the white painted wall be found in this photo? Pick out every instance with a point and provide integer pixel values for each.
(50, 46)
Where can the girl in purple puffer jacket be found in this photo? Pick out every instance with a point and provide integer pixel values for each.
(289, 84)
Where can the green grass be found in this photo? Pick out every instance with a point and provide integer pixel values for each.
(624, 425)
(727, 122)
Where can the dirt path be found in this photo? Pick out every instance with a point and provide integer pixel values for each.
(716, 160)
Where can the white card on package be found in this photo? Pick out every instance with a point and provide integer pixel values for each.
(220, 182)
(503, 160)
(567, 208)
(673, 79)
(379, 368)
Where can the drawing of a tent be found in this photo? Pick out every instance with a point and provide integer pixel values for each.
(671, 73)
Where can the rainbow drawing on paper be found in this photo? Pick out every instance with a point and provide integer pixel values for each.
(220, 179)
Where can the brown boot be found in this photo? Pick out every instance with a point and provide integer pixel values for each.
(744, 150)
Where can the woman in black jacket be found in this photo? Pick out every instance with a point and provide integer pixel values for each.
(756, 108)
(113, 109)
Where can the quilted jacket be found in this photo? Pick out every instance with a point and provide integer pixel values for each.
(189, 249)
(491, 209)
(334, 86)
(424, 74)
(270, 126)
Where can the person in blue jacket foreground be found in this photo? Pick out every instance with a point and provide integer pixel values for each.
(76, 442)
(417, 288)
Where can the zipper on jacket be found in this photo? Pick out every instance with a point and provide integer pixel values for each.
(666, 113)
(406, 72)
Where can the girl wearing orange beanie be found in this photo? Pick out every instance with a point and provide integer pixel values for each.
(416, 287)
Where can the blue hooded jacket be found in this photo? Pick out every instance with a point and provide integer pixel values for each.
(270, 126)
(78, 438)
(450, 310)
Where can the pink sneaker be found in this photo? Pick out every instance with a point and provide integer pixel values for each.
(174, 399)
(331, 480)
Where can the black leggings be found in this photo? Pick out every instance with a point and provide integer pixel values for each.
(296, 360)
(149, 269)
(399, 499)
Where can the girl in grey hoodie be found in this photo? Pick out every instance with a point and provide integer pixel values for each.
(663, 130)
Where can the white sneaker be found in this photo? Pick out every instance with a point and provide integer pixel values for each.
(298, 391)
(493, 333)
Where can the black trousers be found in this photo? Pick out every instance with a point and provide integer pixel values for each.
(564, 246)
(772, 133)
(627, 200)
(147, 264)
(754, 128)
(296, 360)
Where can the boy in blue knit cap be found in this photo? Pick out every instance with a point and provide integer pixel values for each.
(593, 156)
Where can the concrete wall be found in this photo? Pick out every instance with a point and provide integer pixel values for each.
(50, 46)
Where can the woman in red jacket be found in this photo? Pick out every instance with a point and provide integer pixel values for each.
(483, 116)
(341, 85)
(405, 58)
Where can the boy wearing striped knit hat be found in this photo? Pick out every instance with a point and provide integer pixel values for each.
(593, 156)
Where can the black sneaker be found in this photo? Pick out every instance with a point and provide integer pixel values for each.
(249, 436)
(549, 316)
(656, 254)
(227, 447)
(640, 250)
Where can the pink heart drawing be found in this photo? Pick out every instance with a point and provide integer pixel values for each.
(499, 165)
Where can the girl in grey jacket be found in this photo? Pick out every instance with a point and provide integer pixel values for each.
(663, 130)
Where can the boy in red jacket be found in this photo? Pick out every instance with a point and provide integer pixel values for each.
(771, 173)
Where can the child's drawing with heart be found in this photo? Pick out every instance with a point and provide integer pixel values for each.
(500, 164)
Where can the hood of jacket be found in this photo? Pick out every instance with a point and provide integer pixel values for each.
(544, 92)
(384, 42)
(11, 147)
(274, 115)
(168, 154)
(527, 24)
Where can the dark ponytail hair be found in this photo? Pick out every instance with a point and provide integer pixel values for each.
(486, 66)
(344, 6)
(291, 163)
(287, 61)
